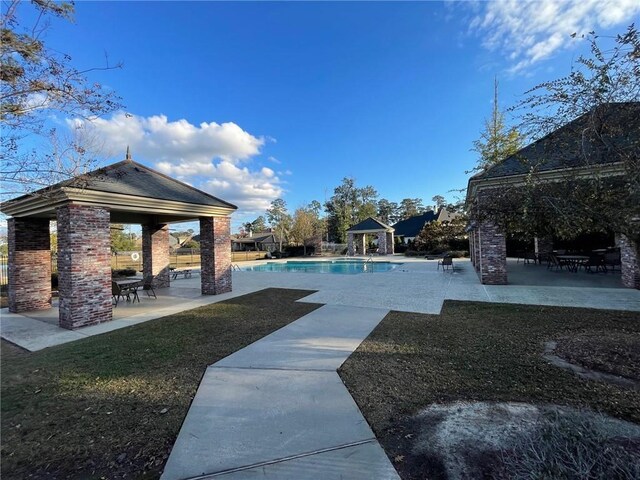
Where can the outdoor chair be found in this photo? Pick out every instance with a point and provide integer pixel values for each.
(147, 286)
(124, 292)
(595, 261)
(445, 262)
(555, 262)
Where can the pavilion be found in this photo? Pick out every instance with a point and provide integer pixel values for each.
(84, 207)
(357, 237)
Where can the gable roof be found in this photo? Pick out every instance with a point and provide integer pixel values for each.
(563, 147)
(125, 186)
(411, 227)
(370, 224)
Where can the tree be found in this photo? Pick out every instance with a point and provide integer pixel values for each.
(348, 206)
(437, 237)
(307, 226)
(496, 141)
(388, 212)
(410, 207)
(38, 83)
(279, 219)
(601, 91)
(258, 225)
(121, 241)
(438, 202)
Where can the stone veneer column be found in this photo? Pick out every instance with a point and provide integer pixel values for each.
(84, 265)
(390, 243)
(29, 264)
(215, 255)
(155, 254)
(492, 254)
(543, 244)
(350, 244)
(382, 243)
(630, 264)
(362, 243)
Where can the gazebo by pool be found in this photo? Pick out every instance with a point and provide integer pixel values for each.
(124, 192)
(357, 237)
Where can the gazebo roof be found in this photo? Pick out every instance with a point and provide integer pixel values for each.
(370, 225)
(133, 192)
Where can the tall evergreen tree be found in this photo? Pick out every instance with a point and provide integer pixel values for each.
(496, 141)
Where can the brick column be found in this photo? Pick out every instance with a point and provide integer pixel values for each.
(390, 243)
(472, 253)
(84, 265)
(630, 263)
(476, 248)
(215, 255)
(382, 243)
(155, 254)
(492, 254)
(350, 244)
(29, 264)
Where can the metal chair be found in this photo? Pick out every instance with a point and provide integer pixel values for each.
(445, 262)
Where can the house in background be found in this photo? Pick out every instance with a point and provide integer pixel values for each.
(407, 230)
(255, 242)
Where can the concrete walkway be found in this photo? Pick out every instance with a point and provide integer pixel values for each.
(278, 409)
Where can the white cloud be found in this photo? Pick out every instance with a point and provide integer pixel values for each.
(529, 31)
(213, 157)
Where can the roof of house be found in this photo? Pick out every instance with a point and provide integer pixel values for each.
(446, 215)
(370, 224)
(563, 148)
(411, 227)
(256, 238)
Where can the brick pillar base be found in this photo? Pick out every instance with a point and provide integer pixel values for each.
(215, 254)
(84, 265)
(630, 264)
(155, 254)
(382, 243)
(29, 264)
(492, 254)
(350, 244)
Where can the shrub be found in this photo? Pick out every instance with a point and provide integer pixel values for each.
(123, 272)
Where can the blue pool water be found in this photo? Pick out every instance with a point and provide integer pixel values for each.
(345, 267)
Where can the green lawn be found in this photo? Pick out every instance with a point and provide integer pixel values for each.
(485, 352)
(111, 406)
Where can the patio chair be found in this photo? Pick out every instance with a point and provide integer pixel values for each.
(147, 286)
(555, 262)
(445, 262)
(118, 292)
(595, 261)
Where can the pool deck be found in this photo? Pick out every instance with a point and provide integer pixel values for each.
(416, 285)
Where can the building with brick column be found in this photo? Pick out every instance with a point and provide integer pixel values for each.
(357, 237)
(596, 144)
(84, 207)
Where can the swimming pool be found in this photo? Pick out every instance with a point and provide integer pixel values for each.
(345, 267)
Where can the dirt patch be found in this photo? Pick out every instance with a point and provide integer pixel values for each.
(466, 440)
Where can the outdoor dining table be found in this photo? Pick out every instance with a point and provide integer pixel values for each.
(573, 261)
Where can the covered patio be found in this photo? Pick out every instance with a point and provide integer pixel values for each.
(586, 149)
(84, 208)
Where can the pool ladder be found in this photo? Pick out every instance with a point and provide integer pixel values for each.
(235, 267)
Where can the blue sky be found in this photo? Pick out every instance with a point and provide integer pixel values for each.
(254, 101)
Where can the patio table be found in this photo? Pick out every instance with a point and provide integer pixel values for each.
(573, 261)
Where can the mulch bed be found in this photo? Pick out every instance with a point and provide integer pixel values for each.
(480, 352)
(111, 406)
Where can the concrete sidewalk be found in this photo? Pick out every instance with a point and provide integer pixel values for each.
(278, 409)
